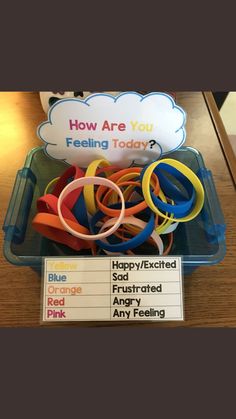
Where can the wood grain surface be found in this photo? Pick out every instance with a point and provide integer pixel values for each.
(222, 135)
(209, 293)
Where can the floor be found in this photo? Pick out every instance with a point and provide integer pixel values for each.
(228, 115)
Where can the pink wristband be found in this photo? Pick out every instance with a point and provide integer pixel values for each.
(78, 183)
(170, 229)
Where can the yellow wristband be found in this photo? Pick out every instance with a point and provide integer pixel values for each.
(192, 178)
(89, 189)
(129, 176)
(165, 223)
(124, 178)
(50, 184)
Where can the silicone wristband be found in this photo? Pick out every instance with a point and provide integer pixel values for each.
(127, 192)
(106, 169)
(166, 250)
(130, 230)
(89, 189)
(128, 252)
(160, 229)
(127, 177)
(132, 210)
(120, 236)
(168, 229)
(50, 184)
(167, 225)
(80, 211)
(169, 188)
(72, 172)
(132, 243)
(135, 241)
(48, 204)
(49, 225)
(185, 205)
(164, 226)
(128, 211)
(78, 183)
(188, 173)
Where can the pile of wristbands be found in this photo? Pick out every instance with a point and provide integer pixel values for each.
(109, 210)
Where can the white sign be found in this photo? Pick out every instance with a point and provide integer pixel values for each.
(123, 129)
(111, 289)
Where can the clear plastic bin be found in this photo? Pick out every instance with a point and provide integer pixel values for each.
(200, 241)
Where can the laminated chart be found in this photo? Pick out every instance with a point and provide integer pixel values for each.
(112, 288)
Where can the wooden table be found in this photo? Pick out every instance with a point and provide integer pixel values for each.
(209, 293)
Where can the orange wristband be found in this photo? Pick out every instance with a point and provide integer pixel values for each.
(50, 226)
(128, 211)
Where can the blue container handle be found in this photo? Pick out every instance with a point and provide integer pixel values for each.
(16, 219)
(219, 227)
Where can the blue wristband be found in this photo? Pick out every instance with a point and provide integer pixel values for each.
(79, 210)
(130, 244)
(168, 187)
(184, 206)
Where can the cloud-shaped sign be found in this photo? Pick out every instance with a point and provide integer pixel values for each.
(122, 129)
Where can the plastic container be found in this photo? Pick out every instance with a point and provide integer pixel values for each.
(200, 241)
